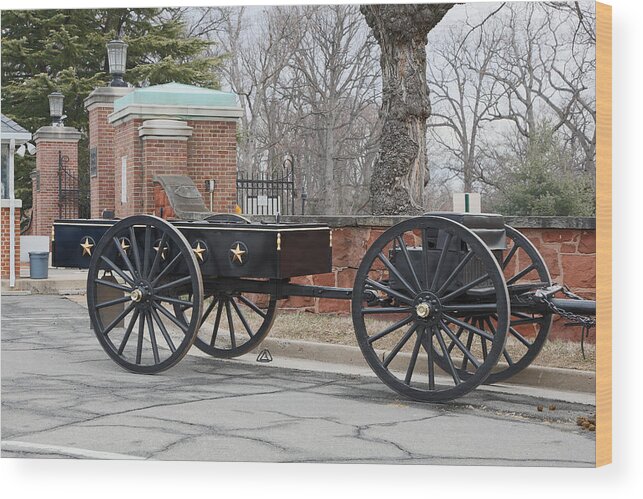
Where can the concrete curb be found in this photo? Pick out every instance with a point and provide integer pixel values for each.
(46, 286)
(571, 380)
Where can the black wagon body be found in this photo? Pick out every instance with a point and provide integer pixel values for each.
(440, 303)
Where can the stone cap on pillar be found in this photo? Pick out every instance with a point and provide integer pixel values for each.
(165, 130)
(105, 96)
(178, 102)
(56, 134)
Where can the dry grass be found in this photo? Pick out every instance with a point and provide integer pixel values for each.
(338, 329)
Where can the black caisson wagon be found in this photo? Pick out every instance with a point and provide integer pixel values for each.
(440, 304)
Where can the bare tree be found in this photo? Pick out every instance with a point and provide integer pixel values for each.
(463, 98)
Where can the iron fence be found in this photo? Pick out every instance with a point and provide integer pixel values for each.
(73, 191)
(264, 194)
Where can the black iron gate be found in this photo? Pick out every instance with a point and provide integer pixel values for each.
(73, 191)
(264, 194)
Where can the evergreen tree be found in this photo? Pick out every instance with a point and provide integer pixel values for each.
(540, 180)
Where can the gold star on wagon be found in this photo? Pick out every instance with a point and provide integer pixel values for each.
(237, 253)
(87, 246)
(199, 250)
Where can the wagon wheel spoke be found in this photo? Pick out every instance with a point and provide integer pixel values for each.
(185, 304)
(505, 353)
(427, 344)
(150, 327)
(425, 257)
(111, 284)
(516, 334)
(128, 332)
(389, 291)
(391, 268)
(113, 302)
(167, 269)
(521, 274)
(390, 329)
(209, 310)
(385, 310)
(469, 327)
(158, 255)
(178, 323)
(217, 321)
(164, 332)
(407, 258)
(398, 346)
(242, 318)
(135, 251)
(147, 251)
(139, 344)
(124, 257)
(454, 273)
(441, 260)
(458, 334)
(466, 350)
(443, 347)
(118, 271)
(414, 356)
(228, 312)
(483, 342)
(118, 319)
(463, 289)
(509, 256)
(252, 306)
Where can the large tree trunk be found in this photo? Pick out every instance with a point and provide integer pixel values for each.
(397, 182)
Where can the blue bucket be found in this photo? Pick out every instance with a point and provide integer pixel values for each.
(38, 264)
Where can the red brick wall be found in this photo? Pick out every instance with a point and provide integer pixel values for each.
(46, 200)
(570, 255)
(101, 136)
(128, 143)
(5, 246)
(212, 154)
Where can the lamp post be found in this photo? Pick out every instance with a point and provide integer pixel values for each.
(117, 57)
(56, 108)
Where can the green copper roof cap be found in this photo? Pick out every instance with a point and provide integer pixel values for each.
(177, 94)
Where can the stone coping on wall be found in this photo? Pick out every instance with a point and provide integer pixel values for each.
(57, 134)
(583, 223)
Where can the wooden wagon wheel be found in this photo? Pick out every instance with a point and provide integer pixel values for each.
(232, 323)
(522, 264)
(407, 287)
(145, 261)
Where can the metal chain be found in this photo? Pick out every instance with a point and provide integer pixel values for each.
(587, 323)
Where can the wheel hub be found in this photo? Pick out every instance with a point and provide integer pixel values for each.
(141, 293)
(136, 295)
(427, 307)
(423, 310)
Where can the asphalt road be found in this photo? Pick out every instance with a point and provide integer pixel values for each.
(63, 397)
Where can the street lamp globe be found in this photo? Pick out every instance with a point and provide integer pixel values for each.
(117, 57)
(56, 107)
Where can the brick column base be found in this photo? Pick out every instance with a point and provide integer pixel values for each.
(5, 238)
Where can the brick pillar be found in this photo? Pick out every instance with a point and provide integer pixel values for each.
(99, 104)
(50, 142)
(212, 154)
(165, 152)
(5, 238)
